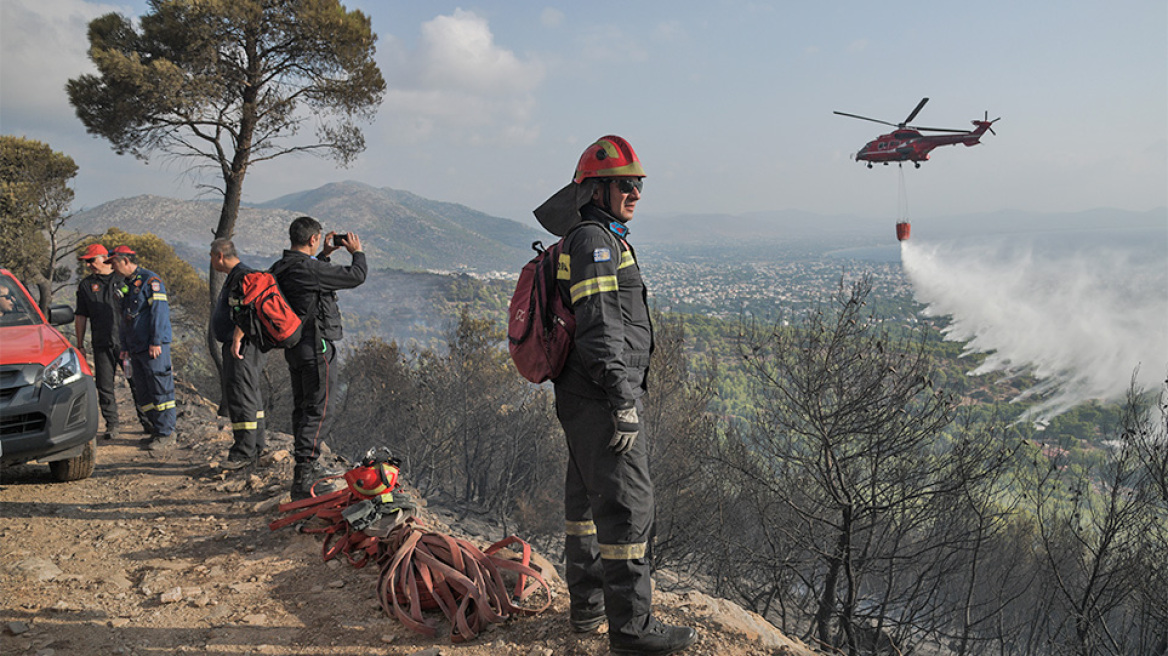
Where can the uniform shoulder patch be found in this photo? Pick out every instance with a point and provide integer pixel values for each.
(155, 286)
(602, 255)
(95, 287)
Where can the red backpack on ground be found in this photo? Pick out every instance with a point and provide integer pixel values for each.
(263, 313)
(540, 326)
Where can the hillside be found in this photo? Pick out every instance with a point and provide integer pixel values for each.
(398, 229)
(167, 554)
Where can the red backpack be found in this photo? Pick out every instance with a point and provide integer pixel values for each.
(540, 326)
(263, 313)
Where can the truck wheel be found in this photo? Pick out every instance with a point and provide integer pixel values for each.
(75, 469)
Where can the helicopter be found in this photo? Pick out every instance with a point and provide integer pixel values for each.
(907, 144)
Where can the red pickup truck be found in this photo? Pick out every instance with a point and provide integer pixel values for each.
(48, 400)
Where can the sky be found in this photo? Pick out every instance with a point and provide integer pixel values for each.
(728, 103)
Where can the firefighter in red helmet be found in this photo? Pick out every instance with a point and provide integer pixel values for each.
(608, 495)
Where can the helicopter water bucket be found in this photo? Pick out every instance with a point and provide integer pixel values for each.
(903, 228)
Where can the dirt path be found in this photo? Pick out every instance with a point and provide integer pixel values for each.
(165, 554)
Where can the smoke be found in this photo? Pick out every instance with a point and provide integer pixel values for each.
(1081, 311)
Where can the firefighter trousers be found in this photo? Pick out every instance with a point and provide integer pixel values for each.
(609, 513)
(154, 389)
(312, 366)
(243, 395)
(105, 365)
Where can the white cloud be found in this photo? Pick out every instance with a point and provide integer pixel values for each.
(459, 80)
(859, 45)
(43, 44)
(551, 17)
(669, 31)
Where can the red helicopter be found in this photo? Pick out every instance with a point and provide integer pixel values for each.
(907, 144)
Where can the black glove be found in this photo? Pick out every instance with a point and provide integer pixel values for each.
(627, 427)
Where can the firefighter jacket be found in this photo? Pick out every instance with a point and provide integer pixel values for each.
(310, 284)
(145, 312)
(599, 276)
(98, 300)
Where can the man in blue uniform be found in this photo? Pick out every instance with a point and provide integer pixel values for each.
(145, 338)
(608, 493)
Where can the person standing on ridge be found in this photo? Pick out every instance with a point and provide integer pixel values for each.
(99, 304)
(241, 378)
(309, 281)
(145, 339)
(608, 493)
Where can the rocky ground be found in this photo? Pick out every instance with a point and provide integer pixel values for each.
(168, 554)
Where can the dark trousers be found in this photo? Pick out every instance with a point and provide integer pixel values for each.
(105, 365)
(608, 508)
(243, 396)
(154, 389)
(313, 368)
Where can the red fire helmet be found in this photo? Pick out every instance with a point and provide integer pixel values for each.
(94, 250)
(610, 157)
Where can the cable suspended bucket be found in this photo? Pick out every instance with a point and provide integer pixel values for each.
(902, 225)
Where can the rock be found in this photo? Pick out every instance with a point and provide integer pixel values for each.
(266, 507)
(255, 619)
(171, 596)
(336, 584)
(540, 651)
(16, 628)
(117, 580)
(115, 534)
(279, 455)
(38, 569)
(430, 651)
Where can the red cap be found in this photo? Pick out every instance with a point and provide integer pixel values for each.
(124, 250)
(93, 251)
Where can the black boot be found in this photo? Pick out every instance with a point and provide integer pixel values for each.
(305, 480)
(586, 620)
(660, 640)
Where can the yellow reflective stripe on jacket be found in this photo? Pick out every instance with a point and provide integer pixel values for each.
(586, 288)
(260, 414)
(146, 408)
(245, 425)
(157, 297)
(580, 528)
(626, 260)
(165, 405)
(623, 551)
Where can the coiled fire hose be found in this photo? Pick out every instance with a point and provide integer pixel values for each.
(421, 570)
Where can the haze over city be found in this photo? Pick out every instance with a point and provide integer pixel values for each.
(728, 103)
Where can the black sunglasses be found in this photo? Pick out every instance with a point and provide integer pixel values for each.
(627, 185)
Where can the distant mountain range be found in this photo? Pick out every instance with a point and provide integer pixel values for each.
(398, 229)
(401, 230)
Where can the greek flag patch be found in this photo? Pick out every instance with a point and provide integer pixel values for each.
(602, 255)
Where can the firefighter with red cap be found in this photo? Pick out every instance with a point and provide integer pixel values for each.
(99, 307)
(608, 495)
(145, 339)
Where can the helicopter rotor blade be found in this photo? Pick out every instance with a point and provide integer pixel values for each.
(938, 129)
(915, 111)
(874, 120)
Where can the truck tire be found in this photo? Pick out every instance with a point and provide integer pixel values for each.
(76, 469)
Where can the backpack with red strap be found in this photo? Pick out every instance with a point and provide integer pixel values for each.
(263, 313)
(540, 325)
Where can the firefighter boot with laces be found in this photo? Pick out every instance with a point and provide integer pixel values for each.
(306, 476)
(659, 640)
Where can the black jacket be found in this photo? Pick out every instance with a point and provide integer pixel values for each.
(222, 323)
(98, 299)
(598, 274)
(310, 285)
